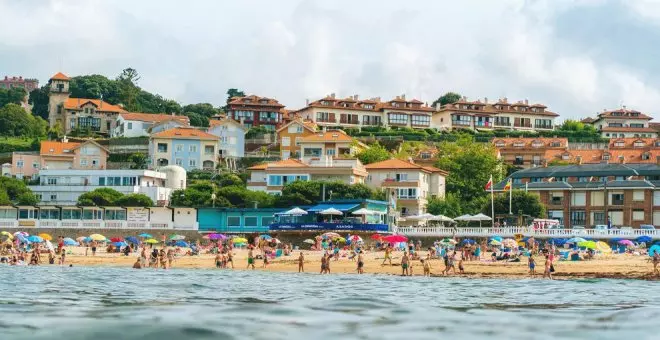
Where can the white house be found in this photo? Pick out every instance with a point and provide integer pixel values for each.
(232, 137)
(133, 124)
(64, 186)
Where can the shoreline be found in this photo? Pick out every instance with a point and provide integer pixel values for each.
(621, 266)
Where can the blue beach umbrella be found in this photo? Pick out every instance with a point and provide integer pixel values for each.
(132, 239)
(265, 237)
(120, 244)
(145, 235)
(616, 240)
(181, 243)
(496, 237)
(35, 239)
(70, 242)
(468, 241)
(654, 249)
(644, 239)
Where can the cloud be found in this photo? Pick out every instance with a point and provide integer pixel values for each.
(576, 56)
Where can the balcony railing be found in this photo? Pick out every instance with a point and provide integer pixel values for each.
(349, 121)
(544, 126)
(326, 120)
(502, 123)
(98, 224)
(523, 125)
(461, 123)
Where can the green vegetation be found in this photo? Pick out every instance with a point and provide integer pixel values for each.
(521, 201)
(15, 191)
(14, 95)
(447, 98)
(10, 144)
(16, 122)
(375, 153)
(108, 197)
(450, 206)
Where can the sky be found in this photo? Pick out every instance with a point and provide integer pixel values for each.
(578, 57)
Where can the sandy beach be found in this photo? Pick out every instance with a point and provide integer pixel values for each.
(623, 266)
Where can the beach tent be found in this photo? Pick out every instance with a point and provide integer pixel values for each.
(655, 249)
(293, 212)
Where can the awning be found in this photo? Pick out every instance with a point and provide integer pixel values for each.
(338, 206)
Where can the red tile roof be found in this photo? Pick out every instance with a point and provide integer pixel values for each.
(395, 164)
(57, 148)
(77, 103)
(501, 106)
(185, 133)
(153, 117)
(287, 163)
(254, 101)
(628, 129)
(328, 136)
(60, 76)
(624, 114)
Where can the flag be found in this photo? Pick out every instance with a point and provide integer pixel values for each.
(490, 183)
(507, 187)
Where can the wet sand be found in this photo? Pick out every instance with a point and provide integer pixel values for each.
(621, 266)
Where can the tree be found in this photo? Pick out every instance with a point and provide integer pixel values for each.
(256, 132)
(139, 161)
(449, 206)
(521, 201)
(128, 89)
(197, 119)
(310, 192)
(229, 179)
(196, 195)
(231, 93)
(16, 122)
(577, 126)
(204, 109)
(14, 95)
(4, 198)
(13, 190)
(447, 98)
(101, 197)
(39, 100)
(95, 86)
(134, 200)
(376, 153)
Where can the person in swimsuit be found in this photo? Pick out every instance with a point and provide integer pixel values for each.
(327, 263)
(137, 264)
(143, 257)
(153, 259)
(163, 259)
(360, 263)
(460, 265)
(250, 259)
(426, 265)
(218, 261)
(388, 256)
(301, 263)
(656, 261)
(230, 258)
(62, 257)
(51, 257)
(404, 264)
(450, 263)
(532, 265)
(170, 257)
(548, 264)
(93, 248)
(323, 264)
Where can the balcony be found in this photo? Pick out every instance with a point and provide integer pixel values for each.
(523, 125)
(617, 201)
(349, 121)
(325, 120)
(393, 183)
(486, 125)
(461, 123)
(502, 124)
(544, 126)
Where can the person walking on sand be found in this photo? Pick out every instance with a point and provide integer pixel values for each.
(62, 256)
(532, 265)
(93, 246)
(404, 264)
(360, 263)
(426, 265)
(450, 263)
(548, 268)
(388, 255)
(143, 257)
(250, 258)
(461, 269)
(301, 263)
(323, 263)
(170, 257)
(230, 258)
(218, 260)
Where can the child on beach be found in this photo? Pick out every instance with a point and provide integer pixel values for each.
(404, 264)
(301, 262)
(532, 265)
(426, 264)
(250, 259)
(360, 263)
(461, 270)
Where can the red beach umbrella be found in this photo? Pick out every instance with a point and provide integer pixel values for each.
(116, 239)
(377, 237)
(395, 238)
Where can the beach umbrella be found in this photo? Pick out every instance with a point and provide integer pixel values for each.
(151, 241)
(145, 235)
(395, 238)
(175, 237)
(644, 239)
(69, 242)
(275, 241)
(181, 243)
(331, 212)
(116, 239)
(626, 243)
(356, 238)
(119, 244)
(331, 235)
(655, 249)
(448, 240)
(575, 240)
(309, 241)
(509, 242)
(294, 212)
(364, 211)
(26, 234)
(239, 240)
(496, 238)
(587, 244)
(46, 237)
(265, 237)
(215, 236)
(339, 240)
(35, 239)
(465, 217)
(7, 234)
(468, 241)
(132, 239)
(603, 247)
(376, 237)
(81, 238)
(97, 237)
(495, 243)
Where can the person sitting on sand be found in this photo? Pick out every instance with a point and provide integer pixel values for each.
(405, 264)
(426, 265)
(137, 264)
(301, 263)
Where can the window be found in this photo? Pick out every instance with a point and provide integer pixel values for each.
(269, 117)
(298, 141)
(617, 199)
(407, 193)
(537, 144)
(646, 156)
(330, 152)
(583, 179)
(619, 144)
(500, 144)
(579, 199)
(638, 195)
(52, 181)
(83, 162)
(638, 215)
(280, 180)
(179, 148)
(27, 213)
(193, 148)
(35, 165)
(543, 123)
(502, 121)
(398, 118)
(578, 217)
(598, 217)
(19, 164)
(233, 221)
(536, 179)
(53, 197)
(129, 181)
(115, 215)
(636, 125)
(345, 118)
(162, 147)
(286, 141)
(371, 120)
(251, 221)
(93, 123)
(325, 117)
(461, 120)
(243, 115)
(401, 177)
(102, 181)
(92, 214)
(561, 179)
(68, 214)
(265, 221)
(556, 198)
(49, 214)
(192, 163)
(312, 152)
(130, 126)
(209, 149)
(638, 144)
(421, 120)
(518, 160)
(555, 144)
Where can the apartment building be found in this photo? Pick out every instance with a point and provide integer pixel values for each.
(133, 124)
(272, 177)
(331, 143)
(529, 152)
(482, 115)
(623, 123)
(231, 137)
(353, 112)
(187, 147)
(28, 84)
(255, 111)
(411, 184)
(291, 134)
(591, 194)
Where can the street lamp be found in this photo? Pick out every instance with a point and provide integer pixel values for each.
(213, 198)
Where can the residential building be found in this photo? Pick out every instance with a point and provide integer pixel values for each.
(119, 218)
(290, 136)
(623, 123)
(591, 194)
(352, 112)
(166, 125)
(88, 155)
(272, 177)
(24, 165)
(64, 186)
(187, 147)
(333, 143)
(478, 115)
(411, 184)
(28, 84)
(79, 113)
(231, 136)
(529, 152)
(255, 111)
(132, 124)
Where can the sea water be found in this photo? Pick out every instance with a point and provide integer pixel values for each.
(51, 302)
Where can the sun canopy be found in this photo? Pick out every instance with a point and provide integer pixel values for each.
(338, 206)
(441, 218)
(465, 217)
(331, 211)
(294, 211)
(479, 217)
(363, 211)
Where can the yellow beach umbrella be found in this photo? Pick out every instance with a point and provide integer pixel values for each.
(46, 237)
(97, 237)
(8, 234)
(240, 240)
(604, 247)
(151, 241)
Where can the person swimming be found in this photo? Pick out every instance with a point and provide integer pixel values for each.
(137, 264)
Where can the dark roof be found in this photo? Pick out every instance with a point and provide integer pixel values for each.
(588, 170)
(630, 184)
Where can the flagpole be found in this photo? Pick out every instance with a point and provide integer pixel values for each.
(492, 201)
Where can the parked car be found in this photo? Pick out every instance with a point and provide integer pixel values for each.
(647, 227)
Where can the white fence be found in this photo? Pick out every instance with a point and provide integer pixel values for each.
(526, 231)
(94, 224)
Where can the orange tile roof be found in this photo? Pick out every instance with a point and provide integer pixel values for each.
(57, 148)
(77, 103)
(60, 76)
(311, 126)
(527, 142)
(627, 129)
(413, 105)
(287, 163)
(401, 164)
(623, 114)
(254, 100)
(501, 106)
(629, 143)
(153, 117)
(328, 136)
(185, 133)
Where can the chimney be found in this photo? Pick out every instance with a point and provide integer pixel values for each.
(64, 139)
(485, 100)
(403, 96)
(307, 102)
(506, 100)
(410, 159)
(356, 97)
